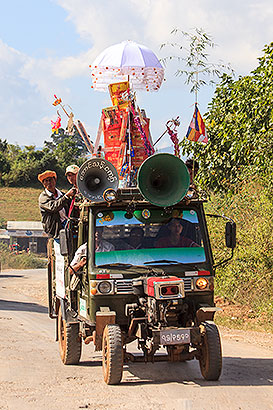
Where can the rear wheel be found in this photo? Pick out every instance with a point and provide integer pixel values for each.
(51, 283)
(210, 359)
(112, 354)
(70, 343)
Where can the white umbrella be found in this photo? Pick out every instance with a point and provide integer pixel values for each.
(125, 59)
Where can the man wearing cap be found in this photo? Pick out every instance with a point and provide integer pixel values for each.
(71, 174)
(53, 204)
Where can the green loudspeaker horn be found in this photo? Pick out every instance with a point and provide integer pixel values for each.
(163, 179)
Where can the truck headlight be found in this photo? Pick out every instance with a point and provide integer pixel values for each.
(202, 283)
(104, 287)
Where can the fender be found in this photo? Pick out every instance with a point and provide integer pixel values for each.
(103, 317)
(206, 313)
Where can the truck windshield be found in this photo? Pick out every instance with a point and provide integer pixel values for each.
(147, 236)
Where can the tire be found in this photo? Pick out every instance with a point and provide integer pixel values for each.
(70, 343)
(112, 354)
(210, 359)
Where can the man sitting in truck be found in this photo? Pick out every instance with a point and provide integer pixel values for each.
(135, 239)
(101, 245)
(173, 238)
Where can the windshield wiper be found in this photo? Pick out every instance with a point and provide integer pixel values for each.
(162, 261)
(123, 266)
(116, 265)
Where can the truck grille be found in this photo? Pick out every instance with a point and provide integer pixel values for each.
(187, 284)
(124, 286)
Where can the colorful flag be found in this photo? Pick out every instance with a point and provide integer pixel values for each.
(197, 130)
(57, 101)
(56, 125)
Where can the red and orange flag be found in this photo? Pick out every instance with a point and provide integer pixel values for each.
(57, 101)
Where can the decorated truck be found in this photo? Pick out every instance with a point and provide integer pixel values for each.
(149, 272)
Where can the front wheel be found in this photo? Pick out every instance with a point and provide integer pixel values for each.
(112, 354)
(210, 359)
(70, 343)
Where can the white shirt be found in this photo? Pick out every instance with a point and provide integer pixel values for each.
(81, 252)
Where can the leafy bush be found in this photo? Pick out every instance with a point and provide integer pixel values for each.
(21, 261)
(2, 223)
(247, 278)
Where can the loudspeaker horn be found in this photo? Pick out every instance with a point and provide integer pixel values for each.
(163, 179)
(95, 176)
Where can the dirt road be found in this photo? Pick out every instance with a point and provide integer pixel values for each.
(33, 377)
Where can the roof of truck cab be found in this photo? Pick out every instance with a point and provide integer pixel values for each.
(140, 202)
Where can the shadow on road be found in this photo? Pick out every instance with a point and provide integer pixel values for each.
(95, 363)
(237, 371)
(11, 276)
(22, 306)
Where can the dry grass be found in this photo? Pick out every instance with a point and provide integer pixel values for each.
(19, 204)
(22, 261)
(246, 280)
(243, 317)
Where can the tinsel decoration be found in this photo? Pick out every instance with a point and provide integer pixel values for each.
(148, 148)
(173, 134)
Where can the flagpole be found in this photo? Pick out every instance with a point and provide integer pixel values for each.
(197, 127)
(196, 90)
(195, 105)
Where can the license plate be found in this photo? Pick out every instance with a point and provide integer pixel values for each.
(175, 336)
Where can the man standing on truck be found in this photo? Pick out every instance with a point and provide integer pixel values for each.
(53, 203)
(71, 173)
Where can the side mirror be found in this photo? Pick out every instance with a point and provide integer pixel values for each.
(231, 235)
(65, 242)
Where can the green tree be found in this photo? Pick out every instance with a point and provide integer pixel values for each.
(67, 148)
(240, 129)
(4, 162)
(20, 166)
(26, 163)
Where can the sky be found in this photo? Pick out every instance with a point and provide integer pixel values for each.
(46, 47)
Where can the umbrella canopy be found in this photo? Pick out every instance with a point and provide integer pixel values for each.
(125, 59)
